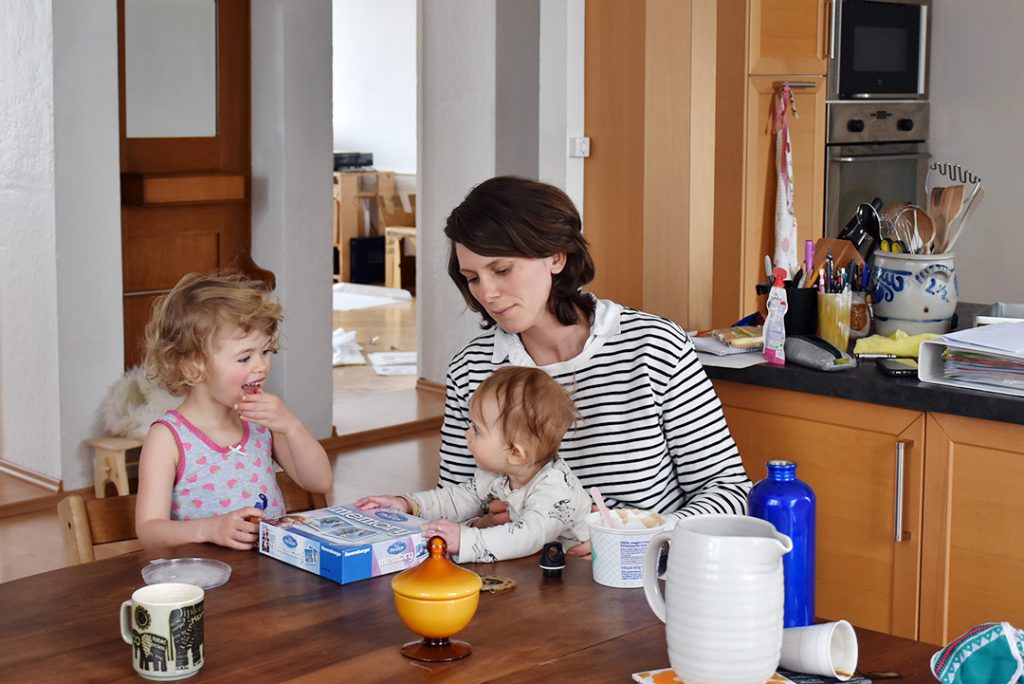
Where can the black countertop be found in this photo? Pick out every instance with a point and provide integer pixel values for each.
(865, 383)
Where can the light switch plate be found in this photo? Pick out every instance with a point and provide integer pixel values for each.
(579, 147)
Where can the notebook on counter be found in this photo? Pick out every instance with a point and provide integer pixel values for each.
(717, 341)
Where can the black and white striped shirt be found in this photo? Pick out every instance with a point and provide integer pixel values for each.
(651, 433)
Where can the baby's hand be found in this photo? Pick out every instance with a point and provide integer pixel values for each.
(266, 409)
(372, 503)
(232, 529)
(450, 531)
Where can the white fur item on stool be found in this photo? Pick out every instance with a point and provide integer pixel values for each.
(133, 403)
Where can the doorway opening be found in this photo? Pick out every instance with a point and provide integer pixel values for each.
(374, 126)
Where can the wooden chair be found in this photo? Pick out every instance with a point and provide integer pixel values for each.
(109, 523)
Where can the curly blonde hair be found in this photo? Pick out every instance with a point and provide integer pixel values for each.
(185, 321)
(533, 409)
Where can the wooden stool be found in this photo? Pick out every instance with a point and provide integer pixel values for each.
(110, 464)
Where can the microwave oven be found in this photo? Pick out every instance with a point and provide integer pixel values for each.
(879, 50)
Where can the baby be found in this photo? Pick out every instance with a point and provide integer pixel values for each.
(518, 417)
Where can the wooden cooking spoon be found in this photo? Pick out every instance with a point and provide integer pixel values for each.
(952, 202)
(938, 220)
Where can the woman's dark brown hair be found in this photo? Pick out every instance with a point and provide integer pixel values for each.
(517, 217)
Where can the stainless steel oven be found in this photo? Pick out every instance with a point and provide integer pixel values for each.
(877, 106)
(874, 149)
(879, 50)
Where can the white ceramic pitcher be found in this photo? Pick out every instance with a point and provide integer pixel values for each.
(723, 599)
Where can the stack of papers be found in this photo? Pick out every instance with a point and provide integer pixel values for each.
(989, 358)
(394, 363)
(985, 356)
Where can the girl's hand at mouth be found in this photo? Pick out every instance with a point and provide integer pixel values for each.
(266, 409)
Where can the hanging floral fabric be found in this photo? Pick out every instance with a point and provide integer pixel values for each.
(785, 218)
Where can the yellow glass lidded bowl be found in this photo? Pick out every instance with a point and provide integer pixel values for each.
(436, 599)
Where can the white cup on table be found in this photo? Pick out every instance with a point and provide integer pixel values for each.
(828, 649)
(164, 624)
(617, 553)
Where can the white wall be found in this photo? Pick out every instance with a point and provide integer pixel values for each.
(460, 137)
(375, 81)
(60, 261)
(977, 95)
(517, 87)
(456, 151)
(291, 193)
(88, 219)
(561, 95)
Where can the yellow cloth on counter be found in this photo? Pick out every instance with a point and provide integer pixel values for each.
(899, 343)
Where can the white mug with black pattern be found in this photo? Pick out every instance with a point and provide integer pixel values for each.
(164, 624)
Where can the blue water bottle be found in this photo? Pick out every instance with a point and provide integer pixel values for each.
(789, 504)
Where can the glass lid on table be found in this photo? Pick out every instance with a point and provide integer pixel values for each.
(206, 573)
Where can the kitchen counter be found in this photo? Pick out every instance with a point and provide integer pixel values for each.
(865, 383)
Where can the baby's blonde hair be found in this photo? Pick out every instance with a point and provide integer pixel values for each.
(185, 321)
(533, 409)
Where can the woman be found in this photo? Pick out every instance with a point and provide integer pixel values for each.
(651, 433)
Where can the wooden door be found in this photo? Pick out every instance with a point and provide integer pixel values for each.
(847, 452)
(789, 37)
(807, 137)
(613, 181)
(185, 200)
(974, 513)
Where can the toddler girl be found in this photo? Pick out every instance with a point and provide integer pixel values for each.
(518, 417)
(209, 465)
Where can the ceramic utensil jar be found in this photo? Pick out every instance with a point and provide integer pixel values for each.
(723, 599)
(915, 293)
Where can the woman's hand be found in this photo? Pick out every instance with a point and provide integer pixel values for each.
(450, 531)
(373, 503)
(497, 514)
(268, 410)
(580, 550)
(232, 529)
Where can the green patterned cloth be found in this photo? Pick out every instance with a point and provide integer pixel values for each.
(991, 653)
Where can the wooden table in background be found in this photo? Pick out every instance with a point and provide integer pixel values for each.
(275, 623)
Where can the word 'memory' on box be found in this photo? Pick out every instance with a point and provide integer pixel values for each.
(345, 544)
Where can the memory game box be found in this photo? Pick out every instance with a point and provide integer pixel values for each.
(345, 544)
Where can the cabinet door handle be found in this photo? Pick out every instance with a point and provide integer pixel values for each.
(825, 29)
(795, 84)
(900, 454)
(881, 157)
(831, 49)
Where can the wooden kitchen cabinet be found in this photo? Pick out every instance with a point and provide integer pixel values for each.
(789, 37)
(779, 50)
(973, 559)
(807, 137)
(847, 452)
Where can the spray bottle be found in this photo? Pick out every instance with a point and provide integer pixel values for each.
(775, 326)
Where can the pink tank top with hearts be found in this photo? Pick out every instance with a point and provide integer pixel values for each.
(213, 480)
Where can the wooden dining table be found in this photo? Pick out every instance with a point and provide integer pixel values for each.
(272, 622)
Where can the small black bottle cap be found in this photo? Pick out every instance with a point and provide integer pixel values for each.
(552, 559)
